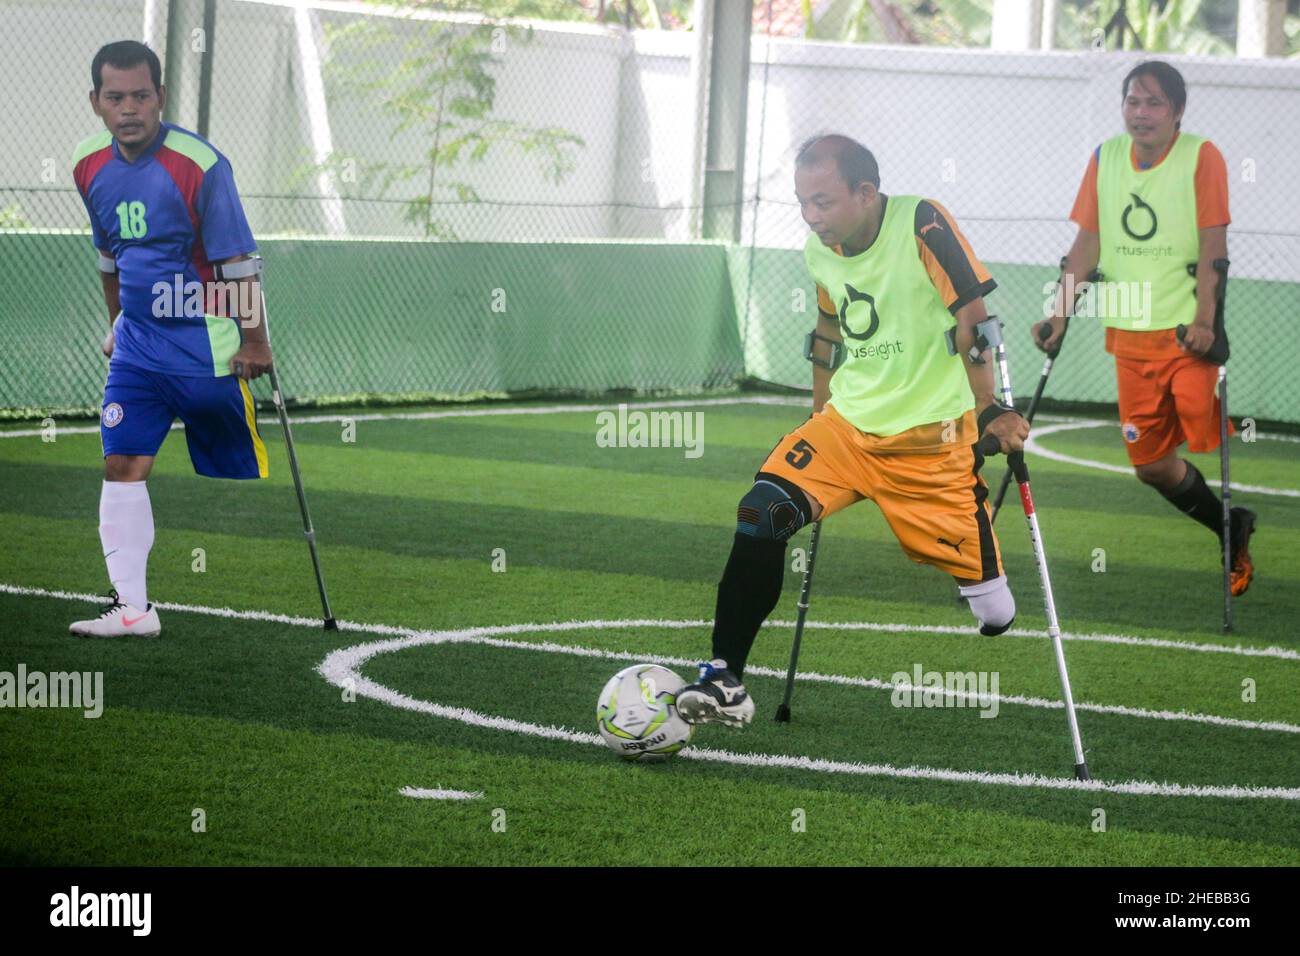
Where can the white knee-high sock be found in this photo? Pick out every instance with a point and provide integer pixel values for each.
(126, 531)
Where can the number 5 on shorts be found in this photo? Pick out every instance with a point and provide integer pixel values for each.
(800, 454)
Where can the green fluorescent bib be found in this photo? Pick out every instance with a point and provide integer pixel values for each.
(897, 371)
(1148, 236)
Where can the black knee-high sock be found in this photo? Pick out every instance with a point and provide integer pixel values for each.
(747, 593)
(1194, 498)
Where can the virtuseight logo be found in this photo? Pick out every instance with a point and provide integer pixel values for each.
(102, 909)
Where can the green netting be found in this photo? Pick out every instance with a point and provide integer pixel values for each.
(454, 206)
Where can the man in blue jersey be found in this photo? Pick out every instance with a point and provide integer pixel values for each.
(166, 219)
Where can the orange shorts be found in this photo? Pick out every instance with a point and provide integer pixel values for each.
(927, 487)
(1164, 402)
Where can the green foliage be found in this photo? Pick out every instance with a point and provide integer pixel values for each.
(1176, 26)
(1163, 26)
(12, 217)
(435, 79)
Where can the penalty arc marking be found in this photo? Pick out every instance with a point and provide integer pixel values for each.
(342, 668)
(1034, 446)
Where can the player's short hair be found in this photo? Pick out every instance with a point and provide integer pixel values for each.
(123, 55)
(1167, 77)
(854, 161)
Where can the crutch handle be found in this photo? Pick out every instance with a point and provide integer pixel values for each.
(1018, 467)
(1045, 333)
(1216, 353)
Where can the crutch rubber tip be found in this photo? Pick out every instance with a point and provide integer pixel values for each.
(782, 714)
(1081, 772)
(331, 624)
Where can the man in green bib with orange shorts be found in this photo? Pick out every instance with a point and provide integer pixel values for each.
(898, 406)
(1152, 213)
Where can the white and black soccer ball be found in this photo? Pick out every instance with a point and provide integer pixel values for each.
(637, 714)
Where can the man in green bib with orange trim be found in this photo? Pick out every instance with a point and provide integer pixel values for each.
(898, 405)
(1154, 201)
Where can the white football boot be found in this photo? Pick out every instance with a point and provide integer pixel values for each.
(120, 620)
(717, 696)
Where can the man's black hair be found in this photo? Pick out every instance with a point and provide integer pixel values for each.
(123, 55)
(1167, 77)
(855, 162)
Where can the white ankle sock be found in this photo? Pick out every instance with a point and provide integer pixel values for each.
(126, 532)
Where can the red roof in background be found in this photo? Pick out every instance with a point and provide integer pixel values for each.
(787, 17)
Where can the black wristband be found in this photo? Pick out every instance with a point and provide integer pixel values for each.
(996, 410)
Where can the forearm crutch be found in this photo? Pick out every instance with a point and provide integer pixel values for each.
(991, 331)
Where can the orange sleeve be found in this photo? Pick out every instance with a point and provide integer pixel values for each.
(824, 302)
(949, 260)
(1084, 213)
(1211, 188)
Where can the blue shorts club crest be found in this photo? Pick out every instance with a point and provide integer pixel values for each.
(220, 421)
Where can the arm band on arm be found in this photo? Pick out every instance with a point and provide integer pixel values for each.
(238, 270)
(837, 351)
(987, 333)
(107, 264)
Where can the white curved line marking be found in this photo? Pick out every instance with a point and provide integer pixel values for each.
(1033, 446)
(419, 794)
(875, 683)
(1282, 653)
(455, 413)
(340, 665)
(342, 669)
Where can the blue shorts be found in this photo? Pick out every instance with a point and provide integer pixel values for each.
(220, 424)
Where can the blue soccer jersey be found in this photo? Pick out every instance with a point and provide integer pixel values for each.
(165, 218)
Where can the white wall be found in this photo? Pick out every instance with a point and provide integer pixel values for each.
(1013, 132)
(1000, 138)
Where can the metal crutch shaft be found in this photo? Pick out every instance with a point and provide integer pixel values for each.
(783, 711)
(308, 531)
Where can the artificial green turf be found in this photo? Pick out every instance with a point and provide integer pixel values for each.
(409, 514)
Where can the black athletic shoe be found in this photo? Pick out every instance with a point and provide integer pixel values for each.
(1243, 569)
(717, 696)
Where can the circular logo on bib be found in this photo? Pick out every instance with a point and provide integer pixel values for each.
(859, 310)
(112, 414)
(1142, 214)
(1130, 432)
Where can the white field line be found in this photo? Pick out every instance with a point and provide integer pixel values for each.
(1032, 446)
(1062, 423)
(1283, 653)
(342, 668)
(420, 794)
(490, 412)
(875, 683)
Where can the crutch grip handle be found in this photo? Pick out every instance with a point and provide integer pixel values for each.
(1216, 353)
(1018, 467)
(989, 446)
(1045, 333)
